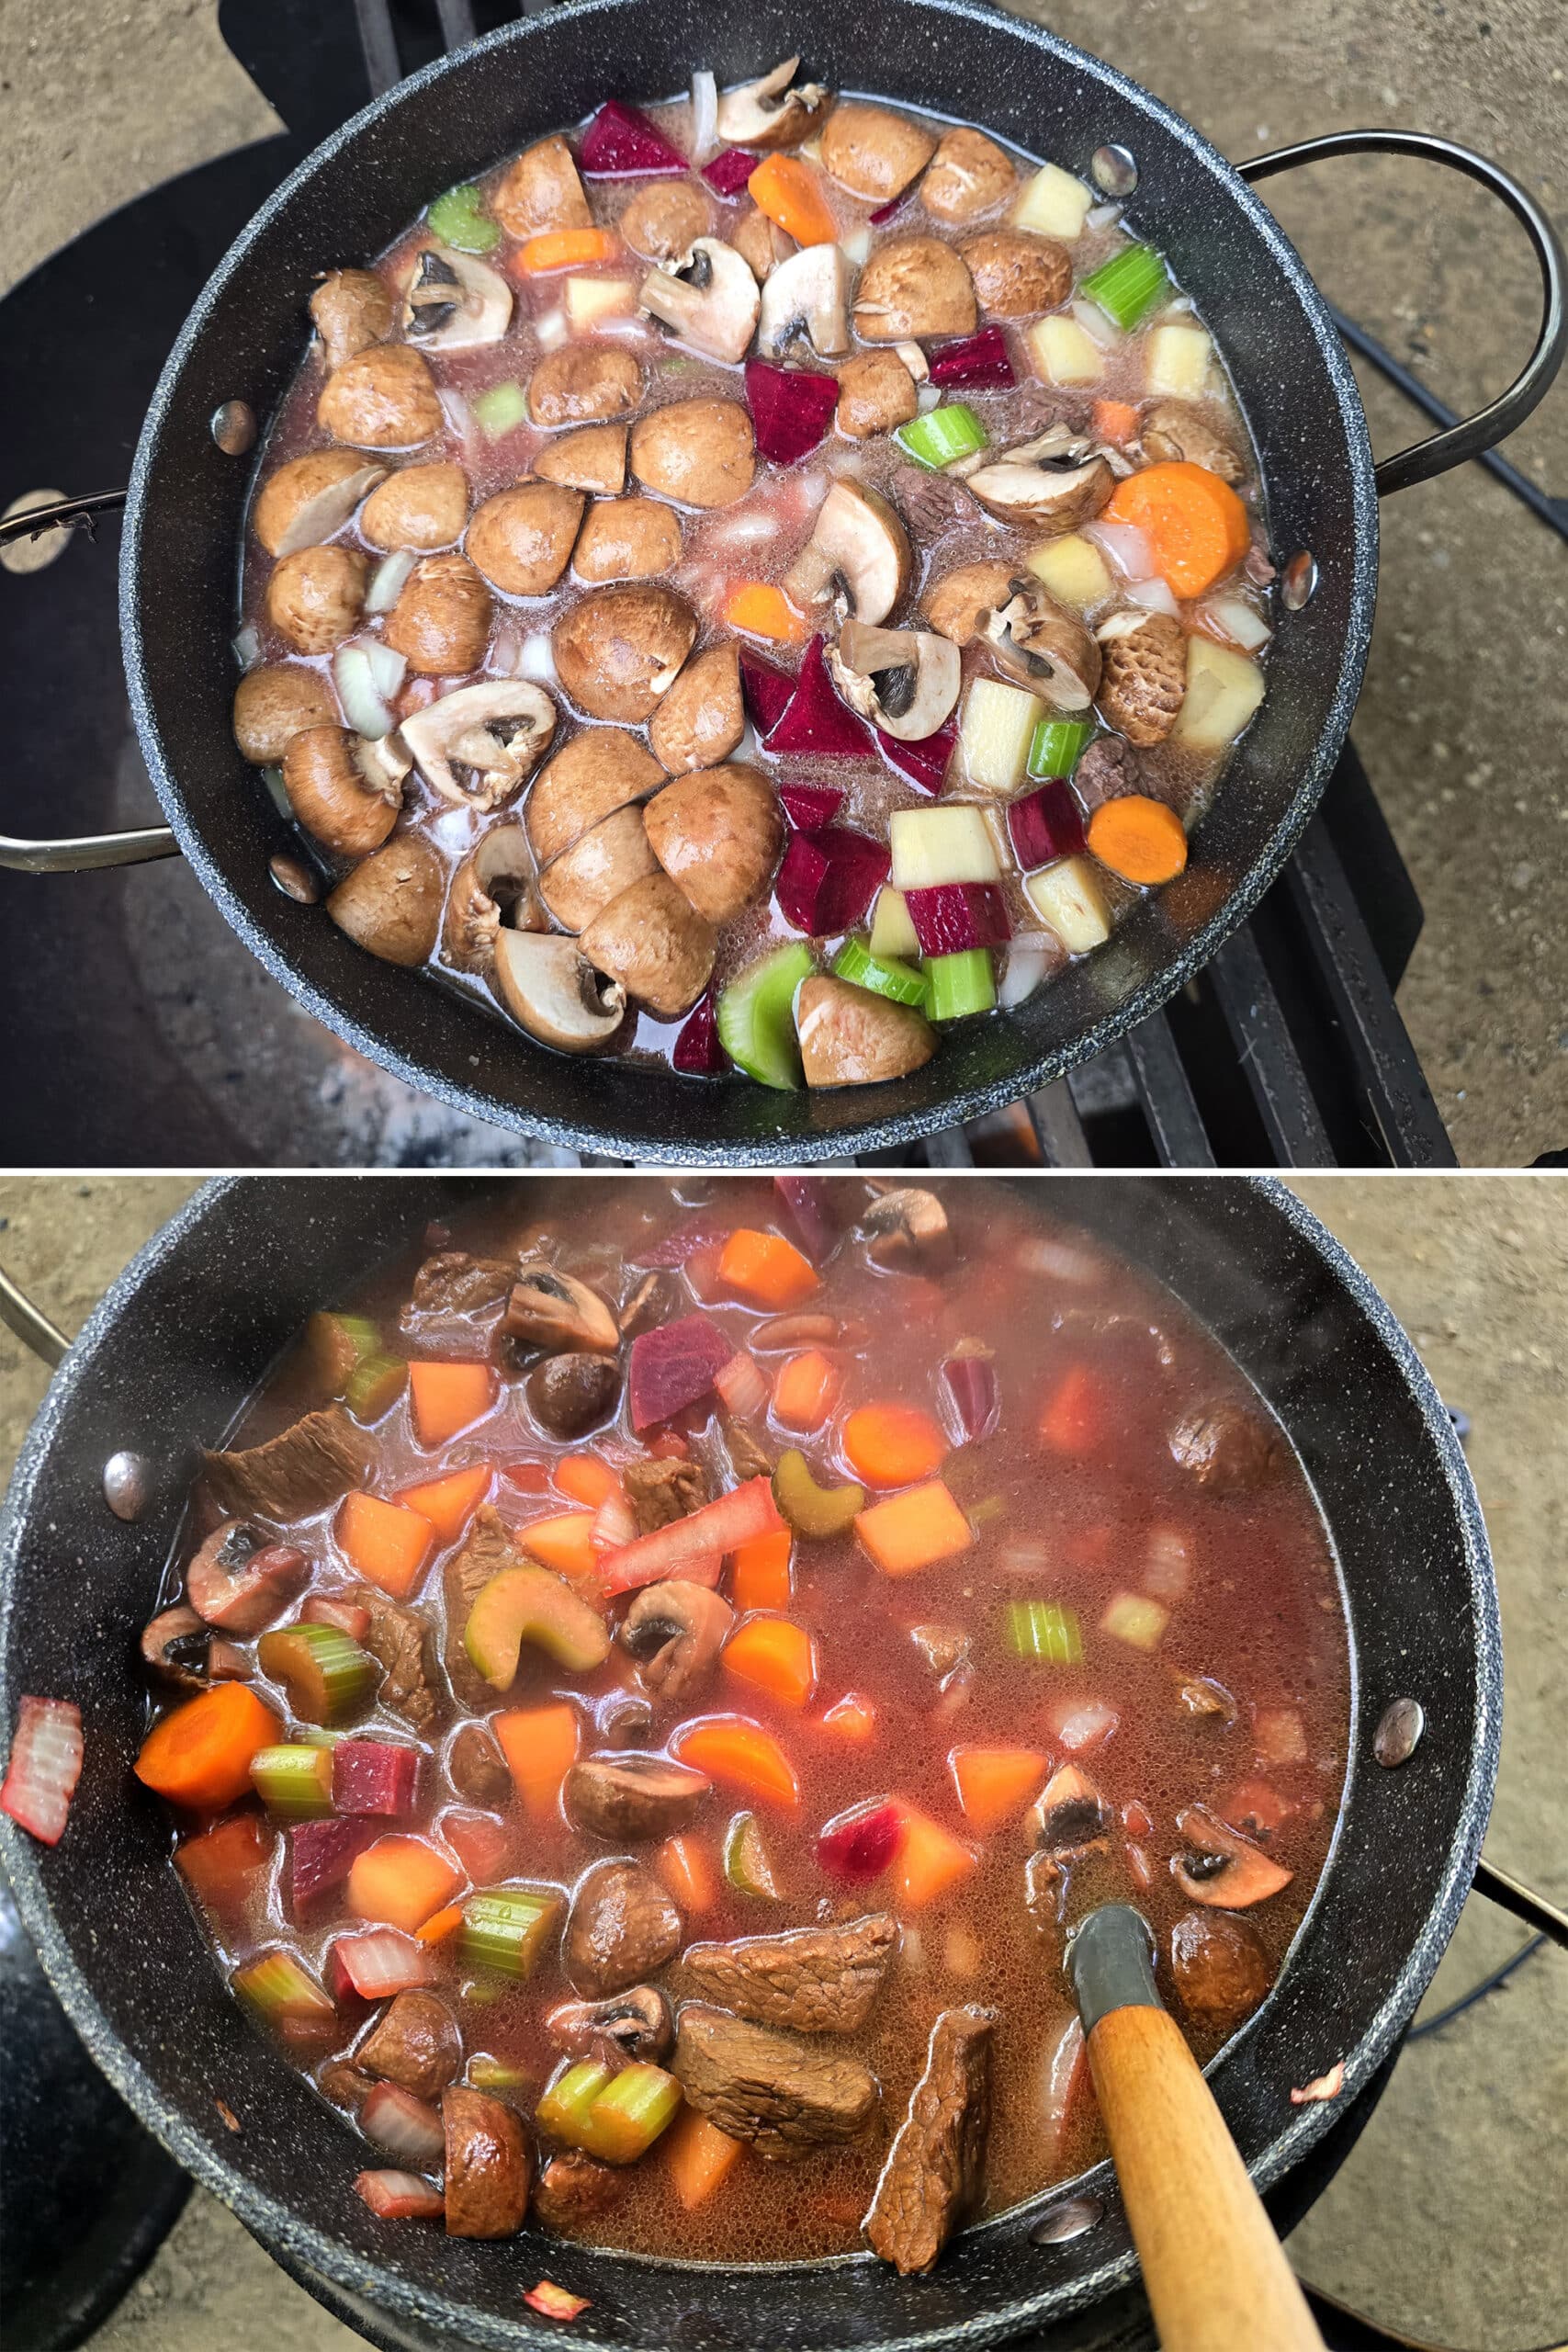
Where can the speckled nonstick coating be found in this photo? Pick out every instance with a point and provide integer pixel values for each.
(166, 1361)
(243, 340)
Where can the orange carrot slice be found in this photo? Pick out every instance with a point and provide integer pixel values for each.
(1116, 421)
(766, 1269)
(564, 1544)
(791, 193)
(740, 1755)
(756, 609)
(914, 1529)
(805, 1391)
(436, 1930)
(386, 1544)
(759, 1572)
(1141, 840)
(893, 1445)
(995, 1784)
(928, 1861)
(448, 1397)
(699, 2155)
(200, 1754)
(402, 1883)
(1194, 522)
(775, 1654)
(449, 1503)
(1074, 1412)
(586, 1479)
(566, 249)
(682, 1866)
(540, 1748)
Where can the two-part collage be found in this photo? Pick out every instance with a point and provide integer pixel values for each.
(783, 1210)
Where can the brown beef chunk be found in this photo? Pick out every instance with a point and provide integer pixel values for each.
(1225, 1449)
(488, 1550)
(623, 1928)
(456, 1303)
(815, 1980)
(932, 2170)
(781, 2094)
(489, 2169)
(747, 1459)
(661, 1492)
(402, 1641)
(416, 2045)
(574, 2188)
(307, 1465)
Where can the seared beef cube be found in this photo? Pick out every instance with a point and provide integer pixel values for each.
(661, 1492)
(401, 1640)
(1225, 1449)
(456, 1303)
(623, 1928)
(933, 2167)
(781, 2094)
(416, 2045)
(302, 1469)
(489, 2169)
(815, 1980)
(574, 2188)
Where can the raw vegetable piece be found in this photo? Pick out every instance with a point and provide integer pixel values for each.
(278, 1986)
(320, 1855)
(564, 2107)
(942, 435)
(929, 1861)
(756, 1017)
(893, 1445)
(698, 1052)
(564, 1542)
(294, 1782)
(828, 879)
(586, 1480)
(953, 917)
(682, 1865)
(45, 1765)
(554, 2302)
(460, 219)
(1141, 840)
(924, 762)
(629, 2114)
(403, 2125)
(757, 609)
(931, 847)
(1133, 1618)
(499, 410)
(1067, 898)
(962, 984)
(815, 719)
(971, 1384)
(589, 300)
(532, 1604)
(1057, 745)
(982, 361)
(765, 691)
(329, 1609)
(1115, 421)
(810, 807)
(804, 1394)
(999, 727)
(759, 1572)
(374, 1387)
(400, 2196)
(386, 1544)
(445, 1923)
(1178, 358)
(539, 1749)
(508, 1929)
(449, 1503)
(673, 1366)
(566, 249)
(1053, 204)
(1074, 570)
(400, 1882)
(730, 171)
(1075, 1413)
(791, 194)
(776, 1655)
(382, 1963)
(1082, 1725)
(809, 1508)
(792, 408)
(738, 1755)
(198, 1754)
(857, 1847)
(1044, 1631)
(481, 1843)
(332, 1347)
(719, 1527)
(1066, 2083)
(1279, 1736)
(1046, 825)
(746, 1862)
(528, 1477)
(742, 1390)
(995, 1784)
(448, 1397)
(767, 1270)
(1224, 689)
(701, 2158)
(220, 1865)
(1128, 286)
(809, 1201)
(1065, 353)
(892, 932)
(374, 1776)
(892, 978)
(621, 143)
(852, 1717)
(325, 1675)
(1196, 526)
(914, 1529)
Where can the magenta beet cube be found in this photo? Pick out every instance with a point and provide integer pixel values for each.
(698, 1053)
(729, 170)
(828, 879)
(971, 1382)
(374, 1776)
(857, 1847)
(791, 409)
(810, 1204)
(810, 807)
(800, 883)
(622, 144)
(673, 1367)
(320, 1855)
(697, 1233)
(924, 763)
(1046, 825)
(816, 720)
(956, 916)
(767, 692)
(980, 360)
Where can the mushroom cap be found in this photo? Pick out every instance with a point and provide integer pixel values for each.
(1015, 274)
(904, 680)
(618, 649)
(628, 1798)
(677, 1629)
(699, 453)
(454, 301)
(607, 860)
(873, 151)
(850, 1037)
(593, 459)
(310, 498)
(806, 294)
(1054, 483)
(498, 729)
(654, 942)
(767, 114)
(969, 176)
(760, 242)
(959, 605)
(906, 1222)
(420, 506)
(541, 190)
(1173, 433)
(441, 621)
(709, 301)
(665, 217)
(343, 802)
(552, 992)
(717, 833)
(627, 538)
(598, 770)
(1039, 640)
(523, 538)
(494, 881)
(381, 399)
(703, 717)
(914, 286)
(391, 903)
(352, 309)
(859, 551)
(1142, 680)
(876, 392)
(276, 701)
(584, 382)
(314, 598)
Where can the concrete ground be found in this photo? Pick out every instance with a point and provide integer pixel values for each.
(1465, 709)
(1446, 2222)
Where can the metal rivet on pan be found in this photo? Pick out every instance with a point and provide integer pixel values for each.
(1114, 171)
(234, 428)
(294, 878)
(1068, 2220)
(1298, 582)
(127, 1479)
(1398, 1735)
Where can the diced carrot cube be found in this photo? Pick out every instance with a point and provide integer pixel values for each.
(540, 1748)
(682, 1866)
(766, 1269)
(402, 1883)
(914, 1529)
(1073, 1413)
(565, 249)
(776, 1655)
(564, 1544)
(995, 1784)
(587, 1480)
(852, 1717)
(740, 1755)
(449, 1503)
(805, 1391)
(448, 1397)
(928, 1861)
(436, 1930)
(759, 1572)
(699, 2156)
(386, 1544)
(892, 1445)
(757, 609)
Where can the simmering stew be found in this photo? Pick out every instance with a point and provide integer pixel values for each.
(646, 1693)
(753, 581)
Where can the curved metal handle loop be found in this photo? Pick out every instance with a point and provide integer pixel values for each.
(1472, 434)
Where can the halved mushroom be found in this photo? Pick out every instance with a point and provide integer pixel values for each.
(455, 302)
(423, 506)
(768, 113)
(1015, 274)
(628, 1798)
(174, 1647)
(343, 788)
(619, 651)
(873, 151)
(494, 885)
(908, 1222)
(1172, 432)
(701, 718)
(440, 622)
(313, 597)
(598, 770)
(276, 701)
(876, 391)
(654, 942)
(310, 498)
(1144, 674)
(632, 2028)
(582, 383)
(858, 555)
(851, 1037)
(352, 309)
(593, 459)
(1222, 1868)
(675, 1631)
(497, 730)
(717, 833)
(1055, 482)
(961, 603)
(1069, 1815)
(807, 295)
(709, 300)
(382, 399)
(904, 680)
(523, 538)
(552, 992)
(627, 538)
(541, 190)
(241, 1579)
(557, 1313)
(1039, 640)
(699, 453)
(914, 286)
(666, 217)
(969, 175)
(390, 904)
(607, 860)
(760, 242)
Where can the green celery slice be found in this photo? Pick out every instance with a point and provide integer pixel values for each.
(294, 1779)
(628, 2116)
(460, 219)
(1057, 746)
(374, 1385)
(1128, 286)
(883, 975)
(746, 1862)
(506, 1928)
(335, 1346)
(812, 1509)
(278, 1986)
(961, 984)
(326, 1674)
(563, 2109)
(942, 435)
(1044, 1631)
(756, 1017)
(500, 409)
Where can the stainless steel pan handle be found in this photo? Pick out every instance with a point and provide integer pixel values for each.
(1472, 434)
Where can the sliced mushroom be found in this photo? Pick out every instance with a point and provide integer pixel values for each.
(710, 299)
(424, 507)
(498, 731)
(597, 771)
(556, 1313)
(441, 621)
(174, 1647)
(666, 217)
(455, 302)
(634, 2027)
(768, 113)
(351, 309)
(390, 904)
(552, 992)
(858, 554)
(904, 680)
(961, 603)
(593, 459)
(914, 286)
(654, 942)
(382, 399)
(760, 242)
(618, 651)
(807, 295)
(908, 1222)
(607, 860)
(240, 1580)
(699, 453)
(628, 1798)
(676, 1631)
(340, 790)
(1039, 640)
(969, 175)
(876, 392)
(494, 885)
(522, 538)
(627, 538)
(1015, 274)
(1172, 432)
(582, 383)
(1069, 1815)
(717, 833)
(276, 701)
(314, 598)
(310, 498)
(540, 191)
(873, 151)
(1055, 482)
(851, 1037)
(1144, 674)
(703, 718)
(1222, 1868)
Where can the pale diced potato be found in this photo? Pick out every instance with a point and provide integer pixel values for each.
(935, 845)
(1068, 900)
(999, 727)
(588, 299)
(1052, 204)
(1224, 689)
(892, 932)
(1176, 361)
(1073, 569)
(1064, 353)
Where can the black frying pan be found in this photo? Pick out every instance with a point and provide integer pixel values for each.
(242, 343)
(165, 1362)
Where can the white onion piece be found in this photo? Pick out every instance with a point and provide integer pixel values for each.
(1027, 959)
(1240, 623)
(388, 580)
(1100, 216)
(362, 705)
(552, 330)
(1025, 1556)
(459, 414)
(856, 247)
(247, 646)
(927, 397)
(742, 530)
(1155, 597)
(1126, 545)
(1094, 323)
(389, 669)
(506, 650)
(453, 830)
(704, 117)
(535, 659)
(409, 2127)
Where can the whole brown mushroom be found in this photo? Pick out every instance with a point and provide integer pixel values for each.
(1143, 681)
(665, 217)
(276, 701)
(969, 175)
(851, 1037)
(914, 286)
(541, 191)
(314, 598)
(1220, 1968)
(582, 383)
(873, 151)
(718, 835)
(597, 771)
(617, 651)
(391, 903)
(703, 717)
(579, 883)
(1015, 275)
(761, 243)
(593, 459)
(1172, 432)
(876, 392)
(307, 500)
(960, 604)
(441, 621)
(522, 538)
(627, 538)
(345, 792)
(424, 507)
(382, 399)
(699, 453)
(654, 942)
(352, 309)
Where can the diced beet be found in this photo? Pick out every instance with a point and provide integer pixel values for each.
(673, 1367)
(925, 763)
(811, 1205)
(622, 144)
(828, 879)
(801, 881)
(767, 692)
(883, 212)
(374, 1776)
(697, 1050)
(857, 1846)
(698, 1233)
(956, 916)
(320, 1855)
(978, 359)
(810, 807)
(971, 1382)
(816, 720)
(791, 409)
(729, 170)
(1046, 825)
